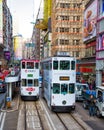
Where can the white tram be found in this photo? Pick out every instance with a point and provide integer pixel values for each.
(59, 78)
(29, 79)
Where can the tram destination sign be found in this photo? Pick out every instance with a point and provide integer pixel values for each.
(30, 75)
(64, 78)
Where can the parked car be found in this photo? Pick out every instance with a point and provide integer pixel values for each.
(78, 89)
(2, 86)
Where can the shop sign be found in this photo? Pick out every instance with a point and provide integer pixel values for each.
(7, 55)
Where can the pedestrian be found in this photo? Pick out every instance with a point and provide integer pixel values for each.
(92, 106)
(90, 86)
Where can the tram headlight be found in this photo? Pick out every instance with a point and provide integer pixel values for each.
(63, 102)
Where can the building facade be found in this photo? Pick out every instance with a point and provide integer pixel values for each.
(6, 42)
(67, 21)
(100, 45)
(87, 64)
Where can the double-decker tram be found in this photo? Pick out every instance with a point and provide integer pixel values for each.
(59, 78)
(29, 79)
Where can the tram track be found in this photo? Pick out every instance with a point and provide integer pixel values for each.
(35, 115)
(69, 122)
(32, 116)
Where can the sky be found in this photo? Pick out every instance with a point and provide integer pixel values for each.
(24, 12)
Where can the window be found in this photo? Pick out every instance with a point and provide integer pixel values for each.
(56, 88)
(23, 65)
(64, 5)
(72, 65)
(102, 6)
(64, 65)
(36, 65)
(61, 29)
(30, 65)
(64, 88)
(24, 82)
(71, 88)
(76, 42)
(77, 30)
(36, 83)
(30, 82)
(77, 53)
(55, 65)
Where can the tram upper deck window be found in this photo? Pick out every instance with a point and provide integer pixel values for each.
(55, 65)
(64, 88)
(71, 88)
(64, 65)
(30, 65)
(23, 65)
(30, 82)
(56, 88)
(72, 65)
(36, 65)
(23, 82)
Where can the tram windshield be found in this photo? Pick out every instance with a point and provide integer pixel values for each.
(64, 88)
(30, 65)
(64, 65)
(23, 82)
(56, 88)
(30, 82)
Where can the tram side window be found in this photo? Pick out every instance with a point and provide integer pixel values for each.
(23, 65)
(36, 65)
(56, 88)
(30, 82)
(36, 83)
(72, 65)
(55, 65)
(64, 65)
(50, 66)
(64, 88)
(23, 82)
(71, 88)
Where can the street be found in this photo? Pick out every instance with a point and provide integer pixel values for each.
(94, 122)
(11, 119)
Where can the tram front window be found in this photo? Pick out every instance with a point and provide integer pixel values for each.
(56, 88)
(30, 82)
(30, 65)
(64, 88)
(71, 88)
(64, 65)
(24, 82)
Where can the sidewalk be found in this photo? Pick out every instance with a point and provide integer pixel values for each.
(14, 104)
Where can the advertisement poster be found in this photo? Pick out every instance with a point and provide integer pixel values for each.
(90, 17)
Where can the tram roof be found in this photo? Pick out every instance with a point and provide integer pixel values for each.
(58, 57)
(29, 60)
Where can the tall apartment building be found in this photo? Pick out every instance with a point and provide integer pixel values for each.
(67, 27)
(6, 42)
